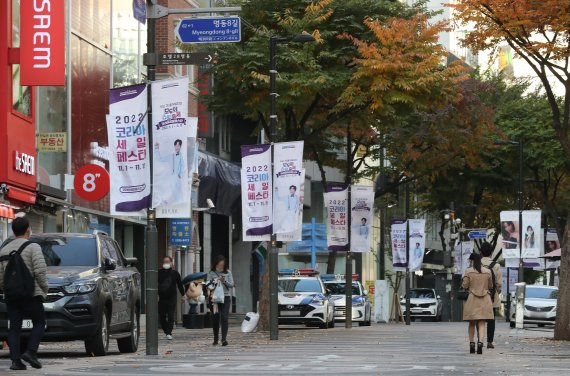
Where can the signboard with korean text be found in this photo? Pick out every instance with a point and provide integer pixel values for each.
(42, 42)
(180, 232)
(52, 142)
(287, 181)
(209, 30)
(129, 166)
(510, 234)
(336, 199)
(417, 241)
(256, 197)
(531, 234)
(297, 234)
(362, 201)
(398, 234)
(171, 131)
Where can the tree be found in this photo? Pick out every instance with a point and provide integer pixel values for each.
(539, 33)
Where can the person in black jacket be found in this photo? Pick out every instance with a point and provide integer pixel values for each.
(168, 280)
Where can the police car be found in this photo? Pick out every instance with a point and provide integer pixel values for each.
(361, 307)
(303, 299)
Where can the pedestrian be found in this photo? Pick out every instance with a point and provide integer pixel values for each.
(497, 277)
(168, 280)
(21, 301)
(478, 308)
(219, 273)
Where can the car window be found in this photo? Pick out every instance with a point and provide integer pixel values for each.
(422, 294)
(300, 285)
(67, 250)
(541, 293)
(111, 251)
(338, 288)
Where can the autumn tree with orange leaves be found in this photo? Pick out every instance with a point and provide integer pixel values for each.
(539, 33)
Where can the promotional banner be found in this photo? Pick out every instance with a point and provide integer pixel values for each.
(381, 301)
(398, 235)
(462, 252)
(257, 208)
(296, 235)
(336, 199)
(510, 234)
(287, 205)
(170, 133)
(552, 244)
(531, 233)
(129, 166)
(417, 241)
(362, 202)
(180, 232)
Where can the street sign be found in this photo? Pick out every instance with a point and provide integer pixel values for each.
(181, 232)
(185, 58)
(91, 182)
(479, 234)
(209, 30)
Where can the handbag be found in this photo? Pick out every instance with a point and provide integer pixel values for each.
(462, 294)
(218, 294)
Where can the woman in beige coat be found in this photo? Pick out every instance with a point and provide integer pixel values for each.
(478, 308)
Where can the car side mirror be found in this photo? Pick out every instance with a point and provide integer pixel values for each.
(110, 264)
(365, 293)
(328, 291)
(132, 261)
(439, 297)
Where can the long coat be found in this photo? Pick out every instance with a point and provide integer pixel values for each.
(478, 305)
(486, 262)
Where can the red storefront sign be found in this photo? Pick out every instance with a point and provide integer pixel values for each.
(91, 182)
(42, 42)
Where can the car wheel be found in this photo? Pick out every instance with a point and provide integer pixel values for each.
(369, 322)
(131, 344)
(332, 323)
(98, 345)
(361, 323)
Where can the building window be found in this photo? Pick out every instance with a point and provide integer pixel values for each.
(21, 95)
(225, 137)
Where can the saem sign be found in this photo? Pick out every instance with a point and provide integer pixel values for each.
(42, 42)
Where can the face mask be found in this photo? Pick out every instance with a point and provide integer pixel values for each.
(166, 266)
(219, 270)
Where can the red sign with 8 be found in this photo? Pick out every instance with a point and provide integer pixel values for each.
(91, 182)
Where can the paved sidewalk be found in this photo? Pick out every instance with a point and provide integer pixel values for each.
(418, 349)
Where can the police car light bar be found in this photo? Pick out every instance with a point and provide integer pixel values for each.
(301, 271)
(337, 277)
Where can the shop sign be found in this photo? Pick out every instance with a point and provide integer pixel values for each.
(91, 182)
(24, 163)
(53, 142)
(42, 42)
(181, 232)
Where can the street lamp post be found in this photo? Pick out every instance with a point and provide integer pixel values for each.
(272, 249)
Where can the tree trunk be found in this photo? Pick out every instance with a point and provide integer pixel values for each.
(264, 301)
(331, 262)
(562, 328)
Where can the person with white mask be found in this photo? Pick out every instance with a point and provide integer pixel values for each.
(168, 280)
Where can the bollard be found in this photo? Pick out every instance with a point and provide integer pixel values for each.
(519, 296)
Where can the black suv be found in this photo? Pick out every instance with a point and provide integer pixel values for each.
(94, 293)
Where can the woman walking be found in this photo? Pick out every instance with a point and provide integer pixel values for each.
(478, 308)
(219, 273)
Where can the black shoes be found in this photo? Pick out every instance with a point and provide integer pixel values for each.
(479, 347)
(215, 343)
(224, 343)
(18, 366)
(32, 359)
(490, 345)
(472, 347)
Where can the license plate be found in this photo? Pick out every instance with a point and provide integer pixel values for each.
(26, 324)
(290, 313)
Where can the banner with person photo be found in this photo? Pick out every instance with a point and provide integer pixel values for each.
(362, 202)
(256, 188)
(287, 180)
(129, 166)
(531, 222)
(462, 252)
(510, 234)
(336, 199)
(296, 235)
(417, 241)
(398, 234)
(170, 133)
(552, 244)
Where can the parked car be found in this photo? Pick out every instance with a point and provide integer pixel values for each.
(303, 299)
(539, 305)
(424, 303)
(361, 308)
(94, 293)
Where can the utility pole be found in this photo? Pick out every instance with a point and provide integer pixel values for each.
(520, 199)
(408, 313)
(348, 271)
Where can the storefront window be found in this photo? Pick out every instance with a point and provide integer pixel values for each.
(86, 223)
(15, 23)
(126, 48)
(21, 96)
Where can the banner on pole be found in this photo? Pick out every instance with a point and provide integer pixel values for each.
(296, 235)
(531, 233)
(336, 199)
(552, 244)
(256, 188)
(170, 133)
(398, 235)
(462, 252)
(510, 233)
(129, 166)
(417, 241)
(287, 205)
(362, 201)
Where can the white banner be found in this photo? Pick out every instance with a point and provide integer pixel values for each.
(398, 236)
(510, 234)
(129, 166)
(296, 235)
(362, 202)
(381, 301)
(417, 241)
(462, 252)
(336, 199)
(552, 244)
(287, 205)
(170, 133)
(256, 187)
(531, 233)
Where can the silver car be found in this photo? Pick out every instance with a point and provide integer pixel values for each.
(539, 305)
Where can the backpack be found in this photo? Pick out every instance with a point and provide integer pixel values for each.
(18, 281)
(492, 290)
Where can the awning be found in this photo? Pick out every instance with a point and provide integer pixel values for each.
(21, 195)
(219, 181)
(6, 212)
